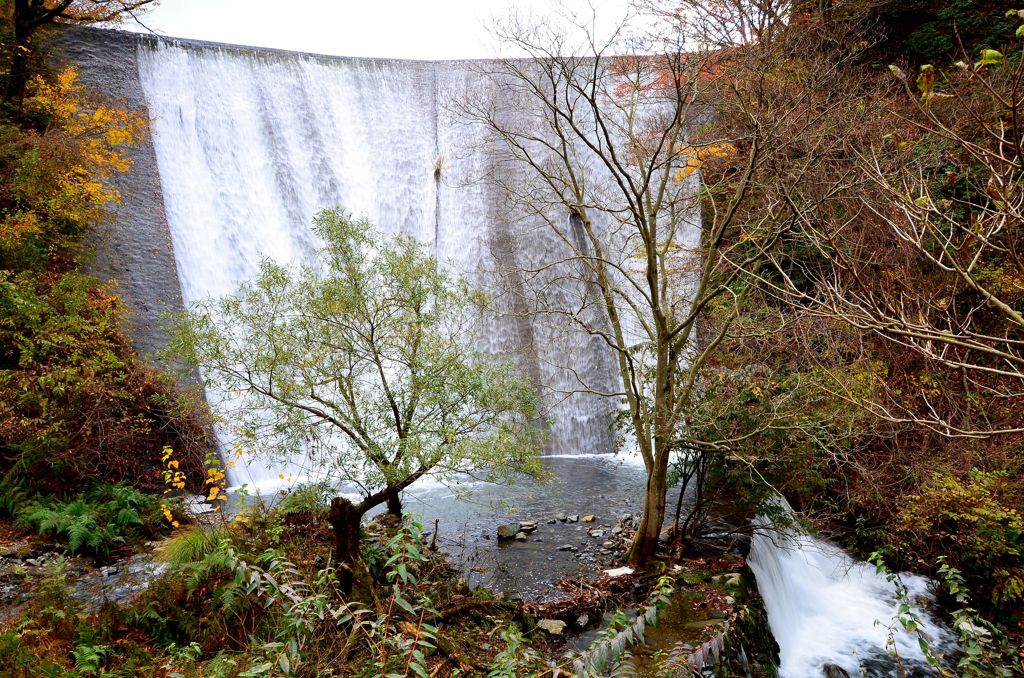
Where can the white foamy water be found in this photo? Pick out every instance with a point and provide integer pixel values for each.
(825, 607)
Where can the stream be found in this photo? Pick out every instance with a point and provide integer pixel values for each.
(825, 608)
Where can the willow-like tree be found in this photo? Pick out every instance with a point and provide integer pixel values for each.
(367, 363)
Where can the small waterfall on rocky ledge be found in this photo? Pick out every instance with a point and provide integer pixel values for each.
(250, 144)
(825, 607)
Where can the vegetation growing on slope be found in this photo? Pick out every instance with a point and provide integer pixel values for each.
(77, 405)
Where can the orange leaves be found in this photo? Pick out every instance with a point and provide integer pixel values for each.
(694, 158)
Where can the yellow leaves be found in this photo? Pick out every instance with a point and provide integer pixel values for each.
(59, 100)
(216, 487)
(692, 165)
(169, 516)
(174, 478)
(80, 150)
(696, 157)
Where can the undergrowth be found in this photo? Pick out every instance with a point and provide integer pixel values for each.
(96, 521)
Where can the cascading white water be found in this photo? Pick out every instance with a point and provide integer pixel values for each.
(250, 144)
(825, 607)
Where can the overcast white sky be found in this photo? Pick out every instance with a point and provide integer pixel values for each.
(406, 29)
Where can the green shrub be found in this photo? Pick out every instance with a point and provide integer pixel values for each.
(309, 498)
(77, 406)
(974, 523)
(193, 544)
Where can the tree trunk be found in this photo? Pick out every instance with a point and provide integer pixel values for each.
(345, 518)
(645, 542)
(17, 76)
(395, 504)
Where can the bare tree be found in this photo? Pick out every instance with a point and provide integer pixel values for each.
(602, 156)
(720, 24)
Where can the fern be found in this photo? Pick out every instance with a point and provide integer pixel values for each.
(608, 652)
(89, 658)
(81, 531)
(94, 521)
(126, 517)
(13, 494)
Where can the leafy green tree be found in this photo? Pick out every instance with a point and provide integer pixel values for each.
(367, 362)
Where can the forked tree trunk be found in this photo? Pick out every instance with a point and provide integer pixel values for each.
(394, 501)
(345, 517)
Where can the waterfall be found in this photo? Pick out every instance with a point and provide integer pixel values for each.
(250, 144)
(824, 607)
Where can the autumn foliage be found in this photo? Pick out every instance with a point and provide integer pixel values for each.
(76, 403)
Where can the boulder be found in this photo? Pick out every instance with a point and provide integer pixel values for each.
(833, 671)
(566, 547)
(555, 627)
(527, 525)
(573, 519)
(589, 518)
(597, 533)
(561, 517)
(520, 536)
(507, 531)
(731, 579)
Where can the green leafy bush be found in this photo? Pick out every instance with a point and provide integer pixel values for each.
(193, 544)
(310, 498)
(76, 404)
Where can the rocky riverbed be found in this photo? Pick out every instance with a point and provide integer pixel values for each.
(26, 563)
